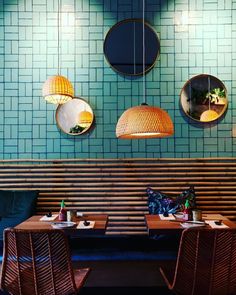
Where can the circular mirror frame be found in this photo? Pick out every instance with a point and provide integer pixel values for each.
(112, 30)
(215, 81)
(72, 101)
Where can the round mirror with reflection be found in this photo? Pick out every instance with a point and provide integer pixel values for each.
(123, 47)
(204, 98)
(75, 117)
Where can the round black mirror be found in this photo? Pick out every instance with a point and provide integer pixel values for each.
(123, 47)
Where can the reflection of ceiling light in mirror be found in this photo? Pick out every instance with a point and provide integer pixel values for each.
(181, 21)
(208, 116)
(85, 118)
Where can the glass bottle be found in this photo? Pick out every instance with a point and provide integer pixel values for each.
(187, 211)
(62, 213)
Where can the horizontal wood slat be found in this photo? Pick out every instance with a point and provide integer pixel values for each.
(117, 187)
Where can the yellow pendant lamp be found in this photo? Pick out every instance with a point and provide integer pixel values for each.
(58, 89)
(144, 121)
(209, 115)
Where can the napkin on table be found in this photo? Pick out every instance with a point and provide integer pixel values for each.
(170, 217)
(213, 225)
(45, 218)
(82, 226)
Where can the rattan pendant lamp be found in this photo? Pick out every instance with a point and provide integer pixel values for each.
(144, 121)
(58, 89)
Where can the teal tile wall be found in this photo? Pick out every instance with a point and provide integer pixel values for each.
(28, 55)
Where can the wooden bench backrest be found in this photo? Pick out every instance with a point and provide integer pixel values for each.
(117, 187)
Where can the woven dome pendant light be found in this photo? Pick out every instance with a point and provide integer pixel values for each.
(144, 121)
(58, 89)
(209, 115)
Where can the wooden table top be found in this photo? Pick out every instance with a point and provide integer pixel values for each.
(99, 226)
(157, 226)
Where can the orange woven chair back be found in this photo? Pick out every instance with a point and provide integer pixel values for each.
(206, 262)
(37, 262)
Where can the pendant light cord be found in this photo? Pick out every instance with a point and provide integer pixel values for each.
(209, 97)
(144, 52)
(190, 96)
(58, 36)
(134, 28)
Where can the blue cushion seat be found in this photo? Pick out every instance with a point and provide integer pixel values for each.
(15, 207)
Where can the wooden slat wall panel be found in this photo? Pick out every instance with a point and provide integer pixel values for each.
(117, 186)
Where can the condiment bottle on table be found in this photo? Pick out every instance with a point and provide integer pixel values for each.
(187, 211)
(62, 213)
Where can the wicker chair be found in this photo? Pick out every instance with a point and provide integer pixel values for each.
(206, 263)
(39, 262)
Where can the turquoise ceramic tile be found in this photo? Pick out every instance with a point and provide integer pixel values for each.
(11, 150)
